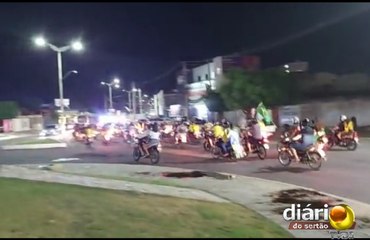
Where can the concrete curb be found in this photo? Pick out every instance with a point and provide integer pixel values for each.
(11, 171)
(34, 146)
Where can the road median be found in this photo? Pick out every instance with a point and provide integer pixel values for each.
(69, 211)
(263, 196)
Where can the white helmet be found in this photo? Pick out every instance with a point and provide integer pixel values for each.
(343, 117)
(295, 120)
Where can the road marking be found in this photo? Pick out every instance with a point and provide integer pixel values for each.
(65, 159)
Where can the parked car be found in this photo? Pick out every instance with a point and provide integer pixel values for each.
(50, 130)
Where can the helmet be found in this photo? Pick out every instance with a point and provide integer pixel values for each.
(343, 117)
(305, 121)
(295, 120)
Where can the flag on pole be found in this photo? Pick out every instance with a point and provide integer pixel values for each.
(263, 114)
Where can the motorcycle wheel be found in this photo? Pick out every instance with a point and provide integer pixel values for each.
(314, 160)
(261, 152)
(330, 144)
(284, 158)
(216, 152)
(351, 145)
(136, 154)
(154, 156)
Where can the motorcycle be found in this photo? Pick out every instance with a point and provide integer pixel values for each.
(349, 141)
(217, 152)
(154, 152)
(209, 141)
(312, 155)
(259, 147)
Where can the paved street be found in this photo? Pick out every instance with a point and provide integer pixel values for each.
(345, 173)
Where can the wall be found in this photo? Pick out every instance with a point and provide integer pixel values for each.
(21, 124)
(329, 112)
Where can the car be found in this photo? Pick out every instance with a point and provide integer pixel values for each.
(50, 130)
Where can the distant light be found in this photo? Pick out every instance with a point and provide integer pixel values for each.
(134, 90)
(77, 46)
(75, 72)
(145, 95)
(116, 85)
(286, 66)
(40, 41)
(102, 83)
(116, 81)
(287, 71)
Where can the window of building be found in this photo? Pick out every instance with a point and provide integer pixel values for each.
(199, 78)
(207, 77)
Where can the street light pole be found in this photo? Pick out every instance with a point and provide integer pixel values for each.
(110, 97)
(115, 82)
(140, 102)
(77, 46)
(60, 80)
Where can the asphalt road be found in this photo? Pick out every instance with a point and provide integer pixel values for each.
(345, 173)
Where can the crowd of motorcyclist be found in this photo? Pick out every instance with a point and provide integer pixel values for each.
(230, 139)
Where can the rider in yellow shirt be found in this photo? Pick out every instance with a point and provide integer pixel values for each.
(218, 131)
(196, 130)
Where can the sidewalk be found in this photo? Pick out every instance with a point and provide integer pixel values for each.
(254, 193)
(14, 135)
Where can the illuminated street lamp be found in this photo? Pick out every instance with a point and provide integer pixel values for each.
(76, 46)
(114, 83)
(69, 73)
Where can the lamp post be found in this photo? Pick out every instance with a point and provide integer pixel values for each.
(76, 45)
(115, 82)
(129, 98)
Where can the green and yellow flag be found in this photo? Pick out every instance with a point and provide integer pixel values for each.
(263, 114)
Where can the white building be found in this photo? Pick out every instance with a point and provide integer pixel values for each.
(209, 74)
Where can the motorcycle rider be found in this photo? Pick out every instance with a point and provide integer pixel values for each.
(345, 126)
(143, 139)
(208, 126)
(219, 134)
(154, 136)
(180, 132)
(304, 138)
(194, 129)
(233, 141)
(254, 134)
(140, 126)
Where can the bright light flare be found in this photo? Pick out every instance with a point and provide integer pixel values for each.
(77, 46)
(116, 81)
(40, 41)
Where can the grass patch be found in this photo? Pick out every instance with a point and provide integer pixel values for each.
(37, 141)
(37, 209)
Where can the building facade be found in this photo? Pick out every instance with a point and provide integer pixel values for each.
(211, 74)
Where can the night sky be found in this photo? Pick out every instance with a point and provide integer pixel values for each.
(138, 42)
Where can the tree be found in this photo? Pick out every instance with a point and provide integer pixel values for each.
(8, 110)
(244, 89)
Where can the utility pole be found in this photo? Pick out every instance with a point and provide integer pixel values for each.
(140, 102)
(183, 89)
(134, 99)
(129, 99)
